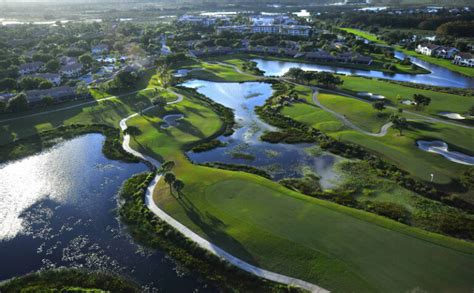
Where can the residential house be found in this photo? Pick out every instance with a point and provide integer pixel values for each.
(427, 49)
(66, 60)
(464, 59)
(71, 70)
(211, 51)
(54, 78)
(100, 49)
(446, 52)
(58, 94)
(28, 68)
(437, 51)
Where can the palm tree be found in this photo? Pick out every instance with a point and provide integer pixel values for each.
(170, 179)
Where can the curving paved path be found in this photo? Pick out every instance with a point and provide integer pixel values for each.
(383, 130)
(203, 243)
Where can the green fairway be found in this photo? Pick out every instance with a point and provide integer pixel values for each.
(218, 72)
(360, 113)
(266, 224)
(262, 222)
(400, 150)
(440, 102)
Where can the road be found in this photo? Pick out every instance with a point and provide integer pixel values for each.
(203, 243)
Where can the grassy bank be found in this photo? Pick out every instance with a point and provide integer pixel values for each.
(151, 231)
(467, 71)
(112, 147)
(69, 280)
(262, 222)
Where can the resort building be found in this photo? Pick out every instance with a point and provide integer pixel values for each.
(292, 30)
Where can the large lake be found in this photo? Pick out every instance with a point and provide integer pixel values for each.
(439, 76)
(58, 208)
(244, 145)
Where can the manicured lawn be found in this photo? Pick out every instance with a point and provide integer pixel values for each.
(264, 223)
(219, 72)
(468, 71)
(108, 112)
(439, 101)
(400, 150)
(360, 113)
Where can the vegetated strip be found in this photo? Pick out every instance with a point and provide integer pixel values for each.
(31, 145)
(153, 232)
(69, 280)
(293, 131)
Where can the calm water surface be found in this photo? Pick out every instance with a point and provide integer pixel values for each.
(439, 76)
(245, 147)
(58, 208)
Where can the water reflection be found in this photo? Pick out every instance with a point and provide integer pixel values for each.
(245, 147)
(58, 208)
(438, 76)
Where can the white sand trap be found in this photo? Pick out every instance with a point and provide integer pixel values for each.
(450, 115)
(440, 147)
(408, 102)
(370, 95)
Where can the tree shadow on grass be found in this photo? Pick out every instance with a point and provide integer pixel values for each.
(194, 111)
(186, 127)
(423, 126)
(214, 229)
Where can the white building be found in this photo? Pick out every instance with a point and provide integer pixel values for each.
(464, 59)
(198, 20)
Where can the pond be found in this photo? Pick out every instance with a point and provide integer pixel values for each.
(59, 208)
(438, 76)
(244, 145)
(440, 147)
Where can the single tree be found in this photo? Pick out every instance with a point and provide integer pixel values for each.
(379, 106)
(399, 123)
(178, 185)
(18, 103)
(169, 179)
(47, 101)
(159, 102)
(3, 106)
(86, 59)
(132, 130)
(44, 85)
(52, 65)
(421, 100)
(167, 166)
(471, 111)
(8, 83)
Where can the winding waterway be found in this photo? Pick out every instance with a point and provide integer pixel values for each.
(58, 208)
(244, 145)
(439, 76)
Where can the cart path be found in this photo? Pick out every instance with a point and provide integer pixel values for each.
(203, 243)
